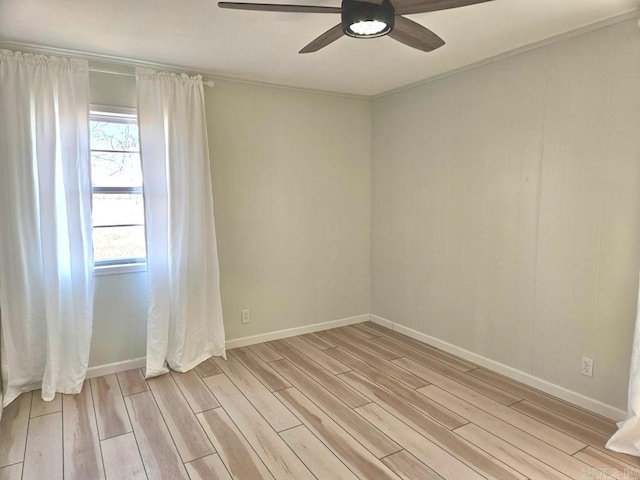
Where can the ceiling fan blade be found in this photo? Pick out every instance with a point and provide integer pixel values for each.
(323, 40)
(415, 35)
(273, 7)
(406, 7)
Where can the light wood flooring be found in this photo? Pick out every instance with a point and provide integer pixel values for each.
(353, 402)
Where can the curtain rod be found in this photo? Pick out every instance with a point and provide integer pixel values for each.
(208, 83)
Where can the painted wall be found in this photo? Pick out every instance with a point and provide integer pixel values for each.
(291, 181)
(291, 175)
(505, 213)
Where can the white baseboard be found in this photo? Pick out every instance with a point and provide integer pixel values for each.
(291, 332)
(116, 367)
(583, 401)
(381, 321)
(563, 393)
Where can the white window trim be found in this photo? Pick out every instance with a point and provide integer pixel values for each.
(116, 114)
(100, 270)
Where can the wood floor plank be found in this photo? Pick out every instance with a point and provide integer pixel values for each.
(576, 414)
(265, 352)
(82, 455)
(441, 436)
(376, 327)
(13, 430)
(374, 347)
(43, 457)
(11, 472)
(159, 455)
(607, 463)
(409, 467)
(429, 367)
(369, 436)
(404, 350)
(320, 375)
(260, 369)
(122, 459)
(538, 429)
(518, 438)
(238, 456)
(316, 341)
(132, 382)
(40, 407)
(195, 391)
(374, 360)
(367, 327)
(528, 465)
(274, 412)
(185, 430)
(438, 459)
(433, 409)
(273, 451)
(320, 357)
(324, 464)
(110, 410)
(208, 468)
(208, 368)
(435, 353)
(351, 330)
(576, 430)
(359, 460)
(360, 332)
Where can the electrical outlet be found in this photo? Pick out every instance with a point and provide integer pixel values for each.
(246, 316)
(587, 367)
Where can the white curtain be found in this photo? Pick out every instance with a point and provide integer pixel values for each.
(46, 267)
(185, 311)
(627, 438)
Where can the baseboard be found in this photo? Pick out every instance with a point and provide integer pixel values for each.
(381, 321)
(291, 332)
(552, 389)
(116, 367)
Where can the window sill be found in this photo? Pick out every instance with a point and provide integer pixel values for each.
(119, 269)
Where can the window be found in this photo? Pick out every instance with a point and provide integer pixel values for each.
(116, 174)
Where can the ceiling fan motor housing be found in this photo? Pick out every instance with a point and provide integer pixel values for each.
(355, 11)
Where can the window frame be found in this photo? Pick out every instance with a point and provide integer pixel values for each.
(124, 115)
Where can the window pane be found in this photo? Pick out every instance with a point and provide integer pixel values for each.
(114, 136)
(115, 164)
(113, 243)
(116, 169)
(117, 209)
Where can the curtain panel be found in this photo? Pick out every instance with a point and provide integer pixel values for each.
(627, 438)
(185, 310)
(46, 272)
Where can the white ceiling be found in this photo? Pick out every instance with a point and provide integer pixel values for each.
(263, 46)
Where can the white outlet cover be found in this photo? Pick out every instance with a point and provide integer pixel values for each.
(586, 367)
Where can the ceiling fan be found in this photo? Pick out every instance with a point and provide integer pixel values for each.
(369, 19)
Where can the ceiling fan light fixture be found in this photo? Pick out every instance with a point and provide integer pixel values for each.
(362, 19)
(367, 28)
